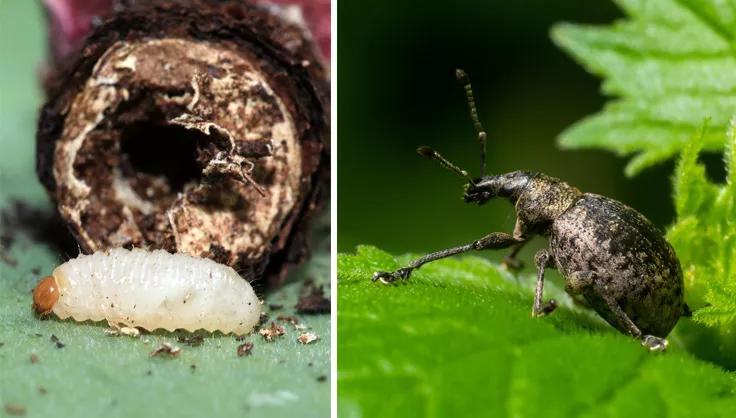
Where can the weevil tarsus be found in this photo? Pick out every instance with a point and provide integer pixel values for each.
(654, 343)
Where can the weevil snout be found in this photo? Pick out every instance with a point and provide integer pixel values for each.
(477, 193)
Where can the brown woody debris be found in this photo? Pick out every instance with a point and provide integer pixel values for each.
(245, 349)
(168, 349)
(288, 318)
(307, 338)
(116, 330)
(141, 142)
(272, 332)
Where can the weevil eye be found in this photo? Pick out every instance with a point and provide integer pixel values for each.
(475, 194)
(45, 295)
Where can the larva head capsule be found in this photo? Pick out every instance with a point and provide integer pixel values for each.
(45, 295)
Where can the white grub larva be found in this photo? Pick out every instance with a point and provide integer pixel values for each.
(150, 290)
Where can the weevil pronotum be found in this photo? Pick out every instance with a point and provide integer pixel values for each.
(608, 253)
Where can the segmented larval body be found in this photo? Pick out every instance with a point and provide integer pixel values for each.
(155, 289)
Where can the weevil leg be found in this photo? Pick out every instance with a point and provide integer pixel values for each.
(543, 259)
(649, 341)
(492, 241)
(510, 261)
(581, 281)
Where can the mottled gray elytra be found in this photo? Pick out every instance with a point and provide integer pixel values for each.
(612, 257)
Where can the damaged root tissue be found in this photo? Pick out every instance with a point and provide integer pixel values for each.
(196, 127)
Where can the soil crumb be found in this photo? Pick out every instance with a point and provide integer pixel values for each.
(307, 338)
(245, 349)
(116, 330)
(272, 332)
(167, 349)
(288, 318)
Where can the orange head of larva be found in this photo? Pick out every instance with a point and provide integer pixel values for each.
(45, 295)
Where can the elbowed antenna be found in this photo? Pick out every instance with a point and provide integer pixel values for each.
(463, 78)
(428, 152)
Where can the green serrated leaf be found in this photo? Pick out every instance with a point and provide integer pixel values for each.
(458, 339)
(704, 237)
(669, 66)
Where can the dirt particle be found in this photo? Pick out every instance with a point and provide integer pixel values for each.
(288, 318)
(167, 349)
(240, 338)
(54, 339)
(245, 349)
(307, 338)
(322, 378)
(116, 330)
(34, 358)
(15, 409)
(313, 300)
(272, 332)
(275, 307)
(36, 271)
(42, 390)
(193, 341)
(193, 368)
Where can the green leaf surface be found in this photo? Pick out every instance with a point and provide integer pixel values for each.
(458, 339)
(667, 67)
(704, 237)
(95, 375)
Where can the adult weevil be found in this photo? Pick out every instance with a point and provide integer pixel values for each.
(609, 254)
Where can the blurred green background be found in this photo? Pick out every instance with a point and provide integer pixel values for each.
(397, 90)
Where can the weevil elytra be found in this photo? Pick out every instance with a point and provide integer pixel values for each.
(608, 253)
